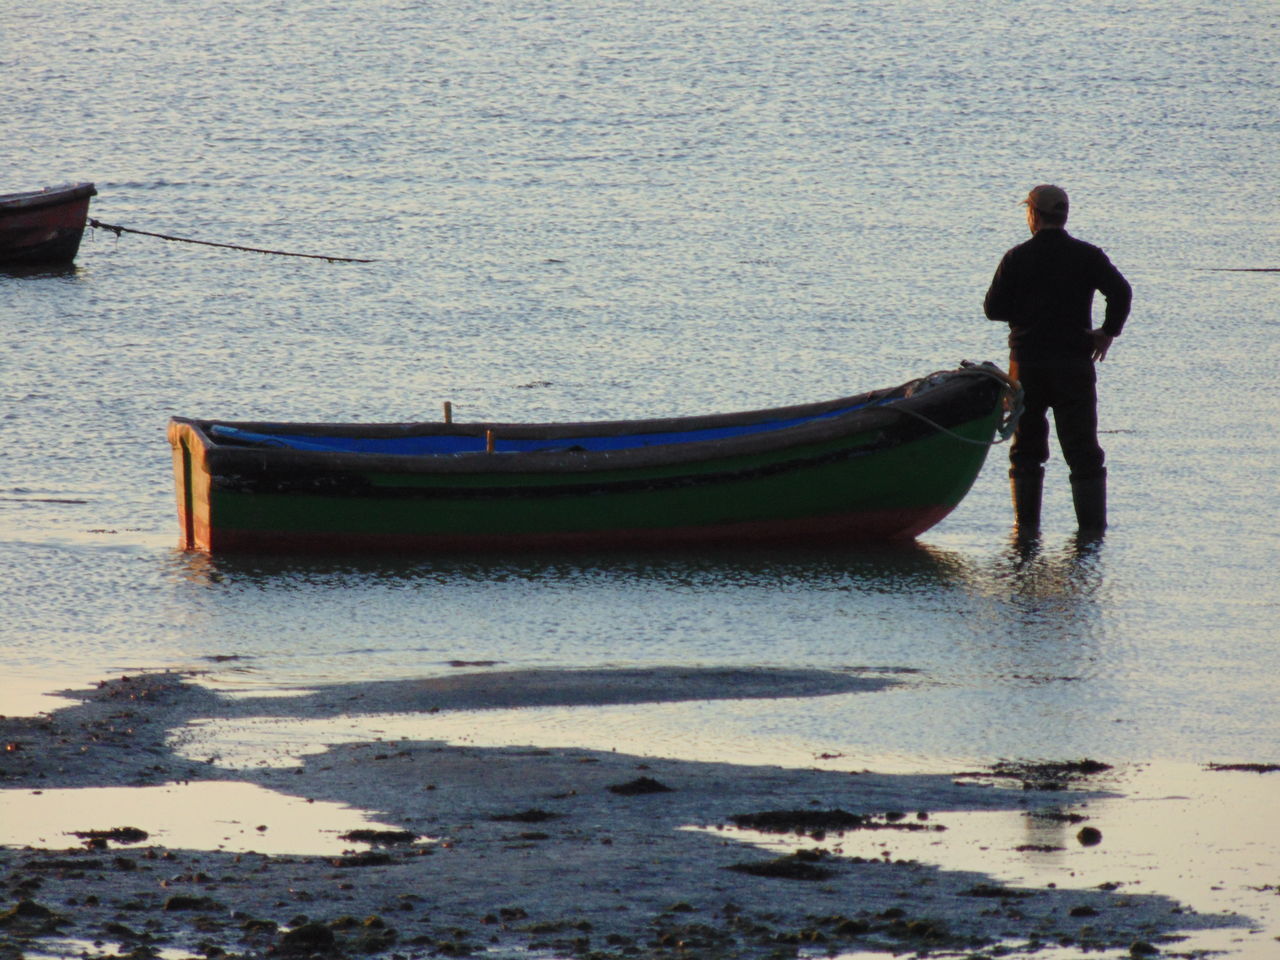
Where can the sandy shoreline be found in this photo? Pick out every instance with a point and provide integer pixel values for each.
(574, 853)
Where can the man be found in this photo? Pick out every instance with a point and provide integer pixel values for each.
(1043, 289)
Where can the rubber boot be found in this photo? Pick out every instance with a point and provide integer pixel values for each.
(1090, 498)
(1028, 489)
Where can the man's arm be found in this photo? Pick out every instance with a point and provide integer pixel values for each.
(998, 303)
(1119, 295)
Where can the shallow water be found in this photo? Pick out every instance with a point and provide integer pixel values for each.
(639, 210)
(213, 815)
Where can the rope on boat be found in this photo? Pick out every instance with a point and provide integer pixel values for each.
(1012, 408)
(117, 230)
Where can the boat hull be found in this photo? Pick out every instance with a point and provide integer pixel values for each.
(44, 227)
(883, 475)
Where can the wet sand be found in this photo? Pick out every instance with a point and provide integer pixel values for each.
(499, 851)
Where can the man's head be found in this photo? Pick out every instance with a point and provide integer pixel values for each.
(1047, 206)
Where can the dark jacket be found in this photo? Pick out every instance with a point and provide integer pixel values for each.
(1044, 290)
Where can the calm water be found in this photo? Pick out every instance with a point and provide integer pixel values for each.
(613, 209)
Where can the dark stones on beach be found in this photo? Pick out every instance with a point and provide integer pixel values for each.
(99, 838)
(1246, 767)
(1089, 836)
(1058, 775)
(74, 866)
(846, 927)
(143, 687)
(995, 892)
(123, 932)
(29, 915)
(186, 902)
(370, 935)
(362, 860)
(691, 939)
(533, 815)
(307, 938)
(379, 836)
(639, 786)
(798, 821)
(817, 823)
(921, 934)
(801, 865)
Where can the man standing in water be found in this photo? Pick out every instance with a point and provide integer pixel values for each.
(1043, 289)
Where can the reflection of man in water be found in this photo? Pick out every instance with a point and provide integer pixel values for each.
(1043, 289)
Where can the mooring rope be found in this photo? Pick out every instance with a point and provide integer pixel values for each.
(117, 230)
(1012, 412)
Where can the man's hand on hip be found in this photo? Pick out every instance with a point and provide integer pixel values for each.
(1101, 344)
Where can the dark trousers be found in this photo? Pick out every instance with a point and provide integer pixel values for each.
(1070, 391)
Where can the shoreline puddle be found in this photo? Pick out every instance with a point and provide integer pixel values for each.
(224, 816)
(1210, 850)
(678, 731)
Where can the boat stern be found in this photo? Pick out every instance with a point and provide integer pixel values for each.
(191, 484)
(44, 226)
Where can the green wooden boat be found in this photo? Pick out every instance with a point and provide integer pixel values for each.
(882, 465)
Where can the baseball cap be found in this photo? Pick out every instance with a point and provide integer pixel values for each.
(1048, 199)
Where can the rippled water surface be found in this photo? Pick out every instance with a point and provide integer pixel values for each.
(612, 210)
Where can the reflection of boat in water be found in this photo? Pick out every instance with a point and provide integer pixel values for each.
(881, 567)
(44, 226)
(883, 465)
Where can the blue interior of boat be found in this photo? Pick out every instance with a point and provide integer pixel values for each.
(438, 444)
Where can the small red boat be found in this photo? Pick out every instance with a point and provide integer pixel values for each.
(44, 226)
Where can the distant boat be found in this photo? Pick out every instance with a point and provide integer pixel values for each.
(882, 465)
(44, 226)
